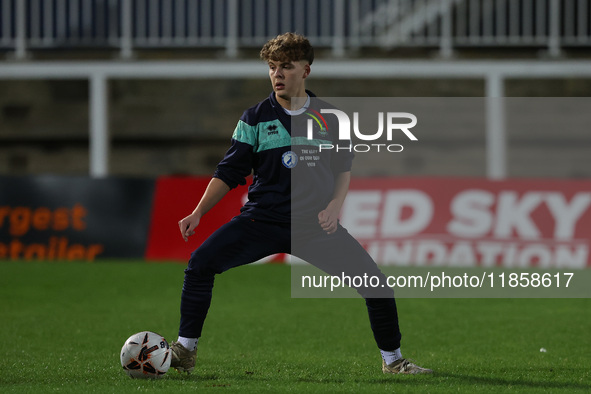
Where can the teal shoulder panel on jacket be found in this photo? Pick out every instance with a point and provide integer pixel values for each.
(272, 135)
(245, 133)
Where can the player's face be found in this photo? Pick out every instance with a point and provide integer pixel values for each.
(288, 79)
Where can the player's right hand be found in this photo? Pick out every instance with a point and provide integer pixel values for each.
(187, 226)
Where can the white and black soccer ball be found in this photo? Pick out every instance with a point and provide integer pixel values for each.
(146, 355)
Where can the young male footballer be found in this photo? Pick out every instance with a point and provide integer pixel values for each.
(292, 207)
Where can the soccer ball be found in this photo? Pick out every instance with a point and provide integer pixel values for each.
(145, 355)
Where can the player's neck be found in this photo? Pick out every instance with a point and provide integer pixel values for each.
(293, 103)
(300, 108)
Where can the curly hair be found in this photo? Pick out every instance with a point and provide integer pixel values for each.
(288, 47)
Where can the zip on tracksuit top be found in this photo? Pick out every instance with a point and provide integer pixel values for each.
(293, 178)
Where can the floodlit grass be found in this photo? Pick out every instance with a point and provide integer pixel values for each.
(63, 324)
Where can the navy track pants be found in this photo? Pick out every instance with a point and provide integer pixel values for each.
(242, 241)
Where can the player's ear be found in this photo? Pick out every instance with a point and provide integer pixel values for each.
(306, 70)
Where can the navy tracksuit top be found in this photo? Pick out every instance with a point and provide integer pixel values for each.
(293, 179)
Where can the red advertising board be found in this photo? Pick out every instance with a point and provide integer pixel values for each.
(175, 198)
(465, 222)
(421, 221)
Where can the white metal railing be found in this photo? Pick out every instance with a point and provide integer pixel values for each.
(494, 73)
(27, 25)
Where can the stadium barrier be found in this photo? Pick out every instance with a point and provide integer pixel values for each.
(462, 222)
(175, 198)
(54, 218)
(458, 222)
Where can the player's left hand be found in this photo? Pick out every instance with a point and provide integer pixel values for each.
(328, 219)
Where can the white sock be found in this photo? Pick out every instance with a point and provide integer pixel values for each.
(189, 343)
(390, 356)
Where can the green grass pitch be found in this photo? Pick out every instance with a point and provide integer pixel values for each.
(62, 326)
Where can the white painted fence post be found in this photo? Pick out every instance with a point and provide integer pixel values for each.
(232, 38)
(99, 132)
(126, 41)
(496, 144)
(20, 52)
(338, 40)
